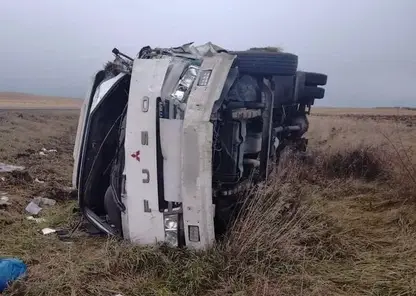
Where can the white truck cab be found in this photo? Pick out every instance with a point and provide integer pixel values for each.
(167, 141)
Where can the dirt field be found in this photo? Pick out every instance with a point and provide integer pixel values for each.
(341, 223)
(405, 116)
(9, 100)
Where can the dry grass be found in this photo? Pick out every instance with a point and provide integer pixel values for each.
(379, 112)
(321, 227)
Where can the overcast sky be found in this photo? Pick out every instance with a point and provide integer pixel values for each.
(367, 47)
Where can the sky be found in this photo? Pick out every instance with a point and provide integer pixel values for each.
(366, 47)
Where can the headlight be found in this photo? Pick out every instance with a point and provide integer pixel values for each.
(171, 229)
(185, 83)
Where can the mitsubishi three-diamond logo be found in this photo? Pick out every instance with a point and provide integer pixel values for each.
(136, 155)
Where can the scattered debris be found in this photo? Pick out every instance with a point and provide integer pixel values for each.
(3, 179)
(4, 201)
(47, 231)
(39, 181)
(11, 269)
(7, 168)
(42, 201)
(33, 208)
(45, 151)
(37, 220)
(49, 151)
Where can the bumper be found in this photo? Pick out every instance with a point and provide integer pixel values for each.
(183, 172)
(198, 208)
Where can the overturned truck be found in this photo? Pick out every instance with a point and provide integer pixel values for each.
(167, 141)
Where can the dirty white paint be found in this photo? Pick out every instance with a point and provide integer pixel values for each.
(140, 226)
(171, 140)
(196, 154)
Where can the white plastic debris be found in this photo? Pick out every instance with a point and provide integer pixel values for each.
(3, 179)
(45, 151)
(37, 220)
(42, 201)
(33, 208)
(7, 168)
(4, 201)
(46, 231)
(39, 181)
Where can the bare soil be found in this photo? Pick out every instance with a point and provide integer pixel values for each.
(405, 116)
(10, 100)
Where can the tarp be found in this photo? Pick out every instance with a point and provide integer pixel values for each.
(11, 269)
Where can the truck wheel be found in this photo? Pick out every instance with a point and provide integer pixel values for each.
(266, 63)
(313, 92)
(314, 79)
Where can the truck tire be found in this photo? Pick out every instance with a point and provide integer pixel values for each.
(313, 92)
(314, 79)
(307, 100)
(266, 63)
